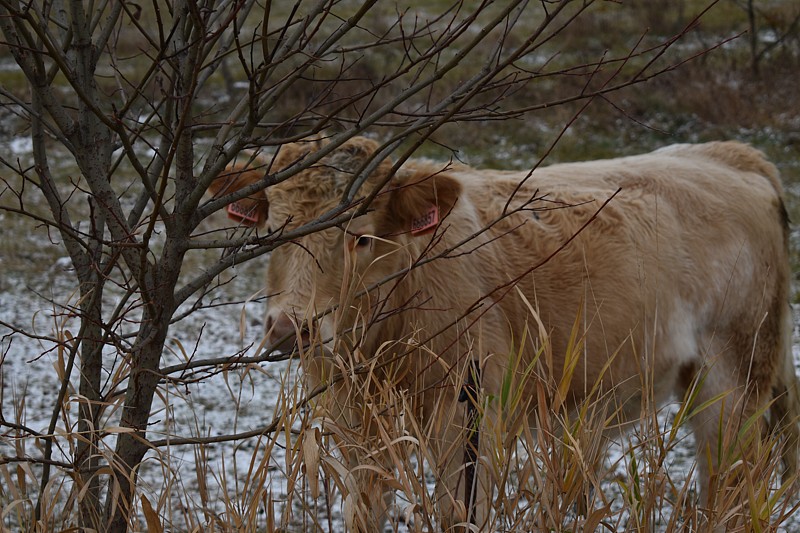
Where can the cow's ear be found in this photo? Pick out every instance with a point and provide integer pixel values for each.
(250, 211)
(419, 201)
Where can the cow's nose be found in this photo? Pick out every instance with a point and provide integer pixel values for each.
(282, 333)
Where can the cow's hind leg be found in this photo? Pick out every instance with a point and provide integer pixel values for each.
(716, 412)
(784, 415)
(784, 419)
(729, 395)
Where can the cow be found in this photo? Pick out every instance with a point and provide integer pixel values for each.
(670, 268)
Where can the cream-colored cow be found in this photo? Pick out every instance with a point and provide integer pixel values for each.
(674, 263)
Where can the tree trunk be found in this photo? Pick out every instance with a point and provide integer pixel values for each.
(751, 20)
(144, 361)
(131, 447)
(86, 453)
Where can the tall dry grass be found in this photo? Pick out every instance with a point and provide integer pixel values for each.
(550, 471)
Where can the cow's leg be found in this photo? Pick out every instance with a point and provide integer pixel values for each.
(710, 425)
(729, 401)
(366, 496)
(466, 455)
(367, 499)
(369, 496)
(785, 411)
(446, 449)
(785, 416)
(451, 451)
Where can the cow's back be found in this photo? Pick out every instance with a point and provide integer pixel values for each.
(665, 255)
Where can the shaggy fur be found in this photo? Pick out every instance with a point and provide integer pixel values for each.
(675, 263)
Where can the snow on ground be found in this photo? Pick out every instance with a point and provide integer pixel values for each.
(196, 409)
(206, 408)
(224, 403)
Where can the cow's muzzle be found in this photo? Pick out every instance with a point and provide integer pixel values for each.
(283, 333)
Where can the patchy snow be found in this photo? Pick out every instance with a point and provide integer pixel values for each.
(20, 145)
(205, 408)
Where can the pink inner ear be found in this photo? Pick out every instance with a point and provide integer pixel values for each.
(428, 221)
(237, 212)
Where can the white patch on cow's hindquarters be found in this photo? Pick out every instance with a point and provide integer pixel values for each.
(681, 335)
(669, 346)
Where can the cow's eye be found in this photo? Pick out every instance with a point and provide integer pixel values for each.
(362, 241)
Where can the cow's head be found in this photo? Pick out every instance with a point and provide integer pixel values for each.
(332, 274)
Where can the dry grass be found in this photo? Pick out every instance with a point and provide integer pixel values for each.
(550, 471)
